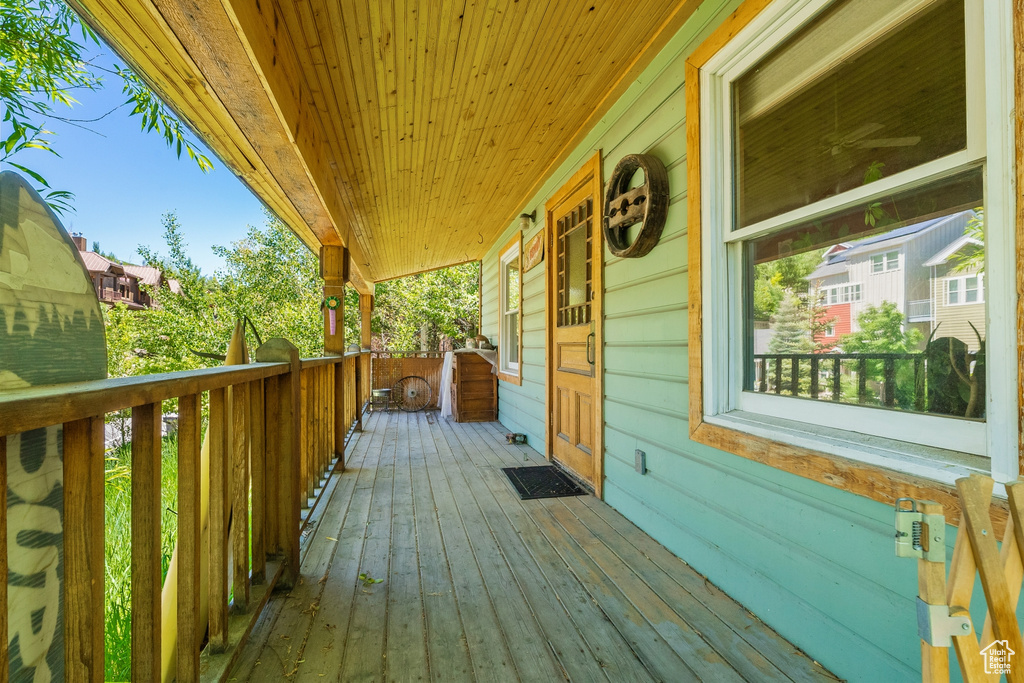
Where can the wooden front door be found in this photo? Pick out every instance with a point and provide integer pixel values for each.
(574, 325)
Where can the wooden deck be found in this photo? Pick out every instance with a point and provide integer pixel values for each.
(478, 585)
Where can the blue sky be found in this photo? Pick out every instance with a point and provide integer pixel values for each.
(125, 180)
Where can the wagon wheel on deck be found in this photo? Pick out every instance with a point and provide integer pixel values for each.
(412, 393)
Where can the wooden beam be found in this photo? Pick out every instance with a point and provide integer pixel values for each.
(365, 314)
(334, 269)
(191, 56)
(272, 54)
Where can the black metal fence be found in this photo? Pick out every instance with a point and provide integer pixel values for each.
(927, 381)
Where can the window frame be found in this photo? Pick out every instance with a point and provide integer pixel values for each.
(507, 370)
(884, 261)
(714, 417)
(962, 281)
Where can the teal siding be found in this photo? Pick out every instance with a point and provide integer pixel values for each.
(814, 562)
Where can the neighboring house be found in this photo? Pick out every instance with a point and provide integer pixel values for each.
(886, 267)
(958, 296)
(122, 282)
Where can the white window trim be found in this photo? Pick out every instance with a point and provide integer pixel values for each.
(990, 140)
(962, 290)
(884, 256)
(839, 290)
(509, 255)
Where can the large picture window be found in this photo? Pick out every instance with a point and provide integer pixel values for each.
(843, 147)
(510, 298)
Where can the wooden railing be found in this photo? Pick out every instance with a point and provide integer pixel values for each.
(275, 429)
(391, 366)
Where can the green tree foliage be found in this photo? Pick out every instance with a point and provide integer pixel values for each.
(971, 259)
(773, 278)
(444, 300)
(881, 331)
(270, 276)
(42, 63)
(790, 328)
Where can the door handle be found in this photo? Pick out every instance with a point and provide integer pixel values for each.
(590, 348)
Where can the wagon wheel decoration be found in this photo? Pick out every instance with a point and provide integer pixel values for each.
(624, 207)
(412, 393)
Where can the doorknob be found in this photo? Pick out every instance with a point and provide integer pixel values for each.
(590, 348)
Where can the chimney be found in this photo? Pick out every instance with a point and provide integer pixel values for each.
(79, 241)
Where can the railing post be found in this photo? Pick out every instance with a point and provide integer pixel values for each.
(889, 370)
(219, 506)
(288, 452)
(147, 458)
(340, 428)
(240, 497)
(258, 464)
(83, 550)
(302, 408)
(837, 386)
(189, 535)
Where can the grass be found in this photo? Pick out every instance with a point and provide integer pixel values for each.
(118, 548)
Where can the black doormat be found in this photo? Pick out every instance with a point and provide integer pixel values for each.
(542, 482)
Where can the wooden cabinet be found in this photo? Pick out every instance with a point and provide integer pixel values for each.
(474, 389)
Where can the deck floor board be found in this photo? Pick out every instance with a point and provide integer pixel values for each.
(479, 585)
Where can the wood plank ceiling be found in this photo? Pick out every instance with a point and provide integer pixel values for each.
(412, 132)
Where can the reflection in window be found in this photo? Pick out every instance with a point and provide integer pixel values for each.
(820, 327)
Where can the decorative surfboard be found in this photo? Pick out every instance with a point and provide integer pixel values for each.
(51, 332)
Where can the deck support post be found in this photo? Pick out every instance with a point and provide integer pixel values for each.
(334, 270)
(363, 372)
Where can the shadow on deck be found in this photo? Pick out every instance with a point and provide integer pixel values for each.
(478, 585)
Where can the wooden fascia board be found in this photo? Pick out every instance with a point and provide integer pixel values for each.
(669, 27)
(176, 49)
(142, 37)
(274, 58)
(877, 483)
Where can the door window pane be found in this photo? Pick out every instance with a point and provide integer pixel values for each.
(576, 264)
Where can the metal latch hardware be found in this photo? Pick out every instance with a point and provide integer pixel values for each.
(936, 626)
(919, 535)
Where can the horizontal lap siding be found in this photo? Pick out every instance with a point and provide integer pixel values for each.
(813, 561)
(520, 408)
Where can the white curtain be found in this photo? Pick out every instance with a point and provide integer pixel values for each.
(446, 384)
